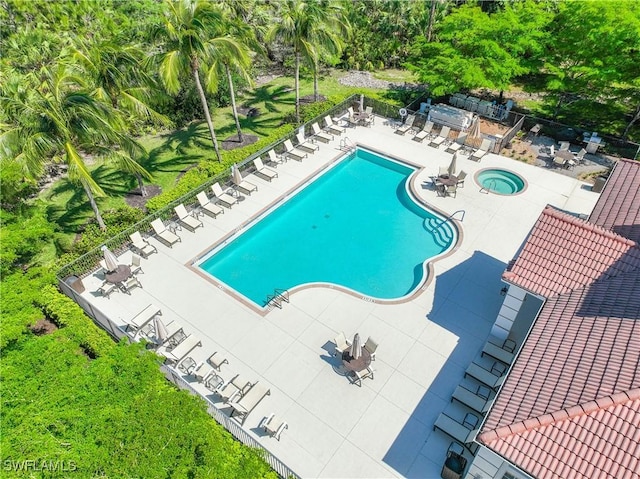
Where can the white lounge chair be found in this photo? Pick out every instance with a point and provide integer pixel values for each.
(408, 124)
(202, 372)
(492, 378)
(135, 266)
(232, 389)
(477, 400)
(183, 349)
(141, 245)
(459, 143)
(332, 127)
(144, 316)
(263, 171)
(371, 345)
(224, 198)
(321, 135)
(207, 206)
(273, 157)
(243, 185)
(358, 376)
(247, 403)
(425, 132)
(131, 283)
(217, 360)
(187, 220)
(480, 152)
(273, 425)
(106, 289)
(306, 144)
(441, 138)
(294, 153)
(342, 344)
(163, 234)
(187, 365)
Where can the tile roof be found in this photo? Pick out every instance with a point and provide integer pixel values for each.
(618, 208)
(563, 252)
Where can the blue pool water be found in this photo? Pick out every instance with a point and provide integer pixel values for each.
(355, 226)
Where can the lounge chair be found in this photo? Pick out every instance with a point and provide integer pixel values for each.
(464, 432)
(163, 234)
(332, 127)
(173, 330)
(371, 346)
(248, 402)
(408, 124)
(461, 176)
(480, 152)
(321, 135)
(145, 316)
(135, 266)
(217, 360)
(202, 372)
(141, 245)
(441, 138)
(243, 185)
(131, 283)
(187, 220)
(425, 132)
(459, 143)
(224, 198)
(477, 400)
(504, 353)
(207, 206)
(106, 289)
(492, 378)
(306, 144)
(232, 389)
(178, 353)
(263, 171)
(273, 157)
(342, 344)
(358, 376)
(187, 365)
(292, 152)
(273, 425)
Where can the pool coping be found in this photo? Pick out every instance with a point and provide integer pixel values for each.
(427, 265)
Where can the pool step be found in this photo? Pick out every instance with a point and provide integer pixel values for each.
(442, 234)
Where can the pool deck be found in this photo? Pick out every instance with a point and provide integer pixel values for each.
(337, 429)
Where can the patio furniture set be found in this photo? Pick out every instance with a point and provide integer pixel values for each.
(356, 359)
(564, 157)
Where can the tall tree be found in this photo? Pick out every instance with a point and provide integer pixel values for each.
(58, 120)
(188, 42)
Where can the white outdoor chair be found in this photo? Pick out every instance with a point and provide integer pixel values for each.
(360, 375)
(273, 425)
(342, 344)
(207, 206)
(135, 264)
(141, 245)
(371, 346)
(187, 220)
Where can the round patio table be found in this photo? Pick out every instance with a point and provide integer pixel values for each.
(448, 180)
(121, 273)
(360, 364)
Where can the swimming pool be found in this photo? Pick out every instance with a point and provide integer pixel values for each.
(354, 227)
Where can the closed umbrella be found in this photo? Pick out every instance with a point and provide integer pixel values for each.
(161, 330)
(356, 347)
(361, 102)
(235, 173)
(452, 165)
(474, 131)
(110, 260)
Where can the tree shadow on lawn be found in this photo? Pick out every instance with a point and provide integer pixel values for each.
(271, 96)
(195, 135)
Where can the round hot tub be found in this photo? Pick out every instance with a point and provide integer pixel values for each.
(501, 182)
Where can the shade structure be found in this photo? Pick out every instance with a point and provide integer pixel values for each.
(356, 347)
(161, 330)
(235, 173)
(452, 165)
(110, 260)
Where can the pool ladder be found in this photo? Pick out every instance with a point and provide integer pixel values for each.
(276, 299)
(487, 189)
(346, 144)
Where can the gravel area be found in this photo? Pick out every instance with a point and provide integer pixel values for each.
(363, 79)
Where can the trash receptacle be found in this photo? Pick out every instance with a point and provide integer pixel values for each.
(598, 184)
(75, 283)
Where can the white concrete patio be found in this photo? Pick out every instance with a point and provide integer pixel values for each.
(337, 429)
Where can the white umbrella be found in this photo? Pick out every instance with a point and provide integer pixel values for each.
(110, 259)
(474, 130)
(452, 165)
(235, 172)
(361, 102)
(161, 330)
(356, 347)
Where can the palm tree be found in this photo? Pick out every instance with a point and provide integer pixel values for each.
(188, 42)
(58, 119)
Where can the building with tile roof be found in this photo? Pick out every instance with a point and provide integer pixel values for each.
(570, 404)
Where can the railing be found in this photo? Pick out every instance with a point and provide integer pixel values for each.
(346, 144)
(487, 188)
(276, 299)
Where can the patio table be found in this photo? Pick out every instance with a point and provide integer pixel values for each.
(360, 364)
(121, 273)
(448, 180)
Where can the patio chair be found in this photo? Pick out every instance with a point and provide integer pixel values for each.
(163, 234)
(247, 403)
(579, 157)
(458, 143)
(441, 138)
(294, 153)
(443, 171)
(261, 170)
(408, 124)
(321, 135)
(306, 144)
(480, 152)
(141, 245)
(178, 353)
(464, 432)
(461, 176)
(202, 372)
(451, 190)
(217, 360)
(243, 185)
(187, 220)
(367, 118)
(559, 162)
(332, 127)
(492, 378)
(358, 376)
(371, 345)
(454, 465)
(564, 145)
(273, 425)
(106, 289)
(131, 283)
(342, 344)
(206, 206)
(425, 132)
(232, 389)
(145, 316)
(187, 365)
(224, 198)
(503, 353)
(477, 400)
(135, 266)
(552, 151)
